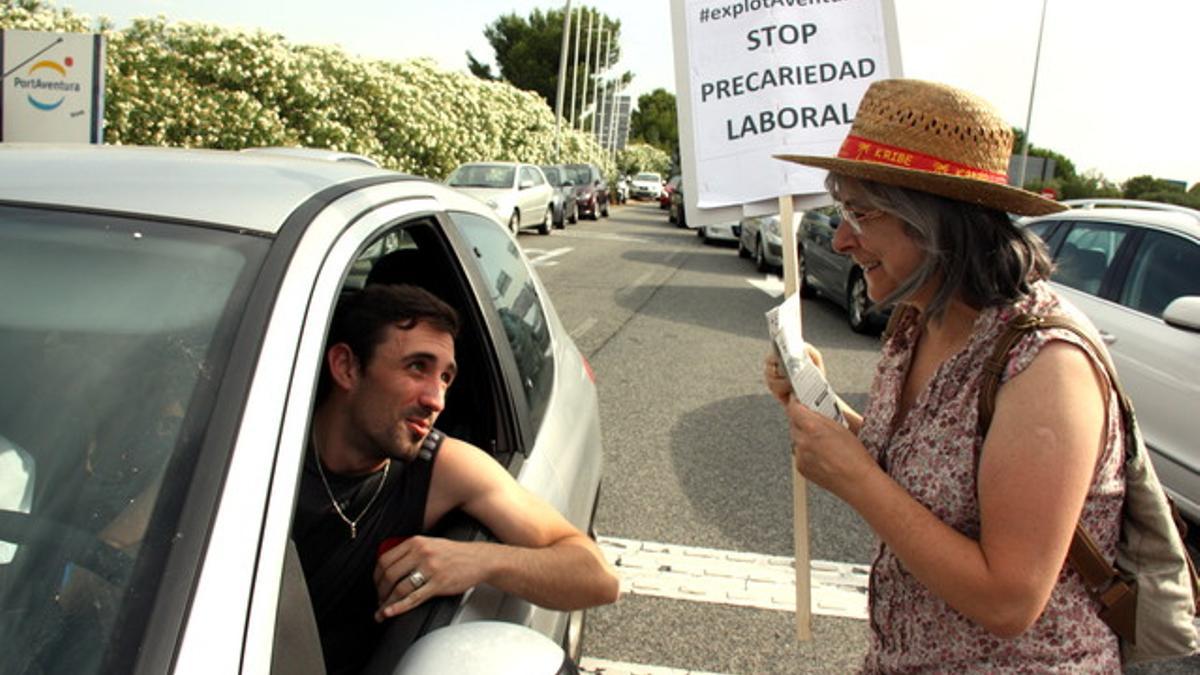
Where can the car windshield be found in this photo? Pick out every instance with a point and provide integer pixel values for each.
(649, 177)
(552, 176)
(113, 332)
(483, 176)
(581, 174)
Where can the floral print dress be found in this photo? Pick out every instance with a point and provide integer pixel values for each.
(932, 454)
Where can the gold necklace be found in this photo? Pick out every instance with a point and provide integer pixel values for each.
(333, 500)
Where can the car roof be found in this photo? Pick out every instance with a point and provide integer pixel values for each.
(313, 153)
(255, 191)
(1178, 220)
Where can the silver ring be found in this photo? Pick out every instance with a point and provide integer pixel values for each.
(417, 579)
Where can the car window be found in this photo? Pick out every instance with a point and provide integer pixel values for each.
(1164, 268)
(531, 175)
(114, 333)
(482, 175)
(1086, 254)
(552, 176)
(510, 282)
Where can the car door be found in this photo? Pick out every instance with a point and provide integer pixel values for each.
(532, 195)
(1159, 364)
(823, 265)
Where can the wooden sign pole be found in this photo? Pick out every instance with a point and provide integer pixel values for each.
(791, 284)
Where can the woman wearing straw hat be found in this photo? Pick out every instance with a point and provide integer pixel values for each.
(974, 524)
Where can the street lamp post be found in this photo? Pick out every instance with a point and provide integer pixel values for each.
(1029, 115)
(562, 82)
(575, 70)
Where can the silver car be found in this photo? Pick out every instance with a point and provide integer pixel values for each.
(1134, 270)
(519, 194)
(761, 239)
(162, 319)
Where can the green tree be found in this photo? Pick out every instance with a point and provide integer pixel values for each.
(1064, 169)
(1139, 187)
(528, 48)
(655, 122)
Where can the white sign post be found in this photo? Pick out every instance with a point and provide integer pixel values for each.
(53, 87)
(757, 78)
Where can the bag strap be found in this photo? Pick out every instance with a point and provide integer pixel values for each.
(1102, 580)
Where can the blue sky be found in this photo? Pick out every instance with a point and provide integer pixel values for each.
(1114, 90)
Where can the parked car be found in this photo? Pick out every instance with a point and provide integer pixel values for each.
(676, 213)
(1134, 269)
(591, 191)
(760, 237)
(646, 185)
(564, 207)
(720, 232)
(835, 276)
(518, 193)
(664, 197)
(161, 336)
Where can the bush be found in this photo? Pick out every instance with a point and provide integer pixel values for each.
(202, 86)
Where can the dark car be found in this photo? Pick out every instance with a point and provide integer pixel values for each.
(833, 275)
(564, 207)
(676, 213)
(664, 197)
(591, 191)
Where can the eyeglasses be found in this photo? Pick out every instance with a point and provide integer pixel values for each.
(855, 218)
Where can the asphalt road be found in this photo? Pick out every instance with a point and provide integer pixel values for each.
(696, 450)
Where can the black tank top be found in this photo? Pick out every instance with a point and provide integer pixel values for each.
(339, 569)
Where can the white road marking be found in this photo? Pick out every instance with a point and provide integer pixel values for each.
(541, 258)
(583, 327)
(603, 667)
(606, 236)
(734, 578)
(769, 284)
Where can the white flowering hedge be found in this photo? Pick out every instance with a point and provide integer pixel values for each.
(639, 157)
(202, 86)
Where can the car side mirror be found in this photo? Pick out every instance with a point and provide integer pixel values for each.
(525, 184)
(1184, 313)
(567, 183)
(484, 648)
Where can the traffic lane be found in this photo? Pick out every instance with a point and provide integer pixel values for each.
(585, 282)
(720, 638)
(696, 450)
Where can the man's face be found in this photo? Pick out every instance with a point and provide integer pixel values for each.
(399, 394)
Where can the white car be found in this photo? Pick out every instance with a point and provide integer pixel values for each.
(161, 333)
(518, 193)
(1134, 270)
(721, 232)
(646, 186)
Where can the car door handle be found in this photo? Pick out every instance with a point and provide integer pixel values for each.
(1107, 337)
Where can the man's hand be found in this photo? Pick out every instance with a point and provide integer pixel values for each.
(448, 568)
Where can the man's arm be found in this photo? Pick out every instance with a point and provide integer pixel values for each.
(542, 557)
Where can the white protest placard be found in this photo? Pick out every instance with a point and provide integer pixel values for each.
(53, 88)
(766, 77)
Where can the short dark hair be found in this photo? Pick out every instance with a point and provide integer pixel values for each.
(361, 319)
(977, 250)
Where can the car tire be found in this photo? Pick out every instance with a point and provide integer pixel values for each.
(604, 210)
(544, 226)
(574, 218)
(806, 289)
(514, 223)
(760, 256)
(560, 218)
(858, 304)
(743, 252)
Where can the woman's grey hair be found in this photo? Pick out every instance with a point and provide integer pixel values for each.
(977, 251)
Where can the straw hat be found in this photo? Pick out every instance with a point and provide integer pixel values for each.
(934, 138)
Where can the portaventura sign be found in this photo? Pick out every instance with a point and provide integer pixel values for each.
(766, 77)
(53, 87)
